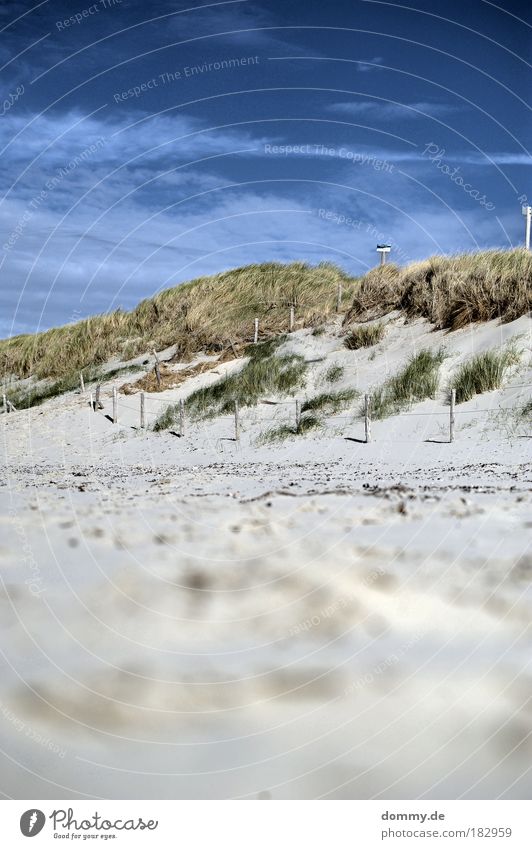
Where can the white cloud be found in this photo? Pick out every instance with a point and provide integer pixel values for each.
(384, 111)
(369, 65)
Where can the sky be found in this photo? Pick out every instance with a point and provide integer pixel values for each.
(145, 144)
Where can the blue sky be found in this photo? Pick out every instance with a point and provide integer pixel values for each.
(143, 144)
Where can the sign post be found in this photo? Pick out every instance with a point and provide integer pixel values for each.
(527, 212)
(383, 250)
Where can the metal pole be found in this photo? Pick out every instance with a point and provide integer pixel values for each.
(527, 227)
(256, 334)
(115, 405)
(383, 257)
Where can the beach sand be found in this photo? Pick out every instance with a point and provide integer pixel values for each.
(323, 618)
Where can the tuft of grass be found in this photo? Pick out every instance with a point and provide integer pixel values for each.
(265, 372)
(307, 423)
(329, 402)
(334, 373)
(482, 373)
(365, 336)
(450, 291)
(417, 381)
(319, 330)
(526, 410)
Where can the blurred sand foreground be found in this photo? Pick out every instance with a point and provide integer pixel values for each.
(373, 642)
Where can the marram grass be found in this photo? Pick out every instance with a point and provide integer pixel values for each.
(483, 373)
(266, 372)
(417, 381)
(450, 291)
(208, 312)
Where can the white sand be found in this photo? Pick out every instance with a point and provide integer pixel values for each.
(196, 618)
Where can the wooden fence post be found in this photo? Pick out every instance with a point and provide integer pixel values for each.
(181, 418)
(237, 423)
(115, 405)
(157, 369)
(256, 334)
(81, 382)
(339, 298)
(97, 403)
(91, 402)
(4, 402)
(292, 319)
(298, 414)
(451, 415)
(142, 411)
(367, 417)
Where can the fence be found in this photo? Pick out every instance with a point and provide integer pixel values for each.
(295, 420)
(96, 404)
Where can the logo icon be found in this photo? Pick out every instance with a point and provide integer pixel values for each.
(32, 822)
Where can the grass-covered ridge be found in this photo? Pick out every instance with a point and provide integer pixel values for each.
(210, 312)
(450, 291)
(266, 372)
(417, 381)
(201, 315)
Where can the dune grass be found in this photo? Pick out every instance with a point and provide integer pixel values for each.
(206, 313)
(417, 381)
(334, 373)
(312, 412)
(329, 402)
(266, 371)
(450, 291)
(365, 336)
(201, 315)
(308, 422)
(483, 373)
